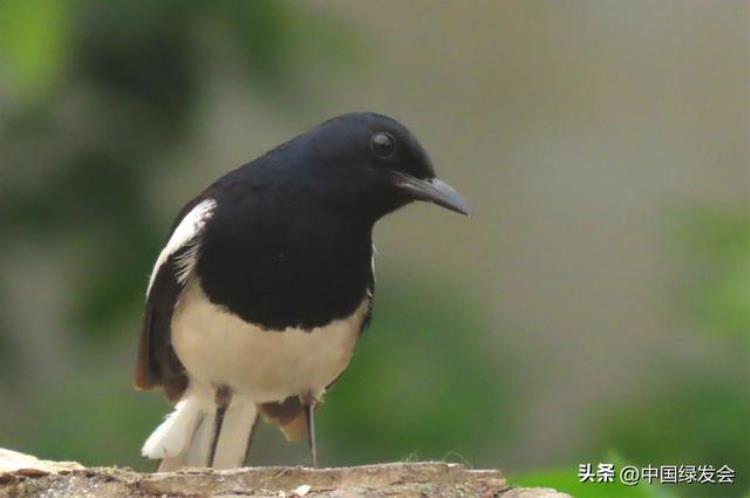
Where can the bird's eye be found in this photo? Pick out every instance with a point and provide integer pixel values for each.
(383, 145)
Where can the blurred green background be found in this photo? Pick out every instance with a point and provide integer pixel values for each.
(596, 308)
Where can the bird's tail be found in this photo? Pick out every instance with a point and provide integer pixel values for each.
(184, 438)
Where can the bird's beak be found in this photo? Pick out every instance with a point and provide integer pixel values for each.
(432, 190)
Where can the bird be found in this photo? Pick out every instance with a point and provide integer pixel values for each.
(266, 282)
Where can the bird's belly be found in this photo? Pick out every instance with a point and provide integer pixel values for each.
(217, 347)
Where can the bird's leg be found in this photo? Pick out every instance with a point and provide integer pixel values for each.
(309, 401)
(310, 416)
(222, 399)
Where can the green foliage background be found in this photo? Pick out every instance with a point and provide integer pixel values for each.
(95, 95)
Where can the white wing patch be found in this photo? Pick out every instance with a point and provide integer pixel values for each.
(187, 232)
(185, 262)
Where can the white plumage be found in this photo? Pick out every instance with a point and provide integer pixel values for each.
(184, 438)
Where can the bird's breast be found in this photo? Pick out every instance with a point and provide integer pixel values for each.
(298, 271)
(218, 347)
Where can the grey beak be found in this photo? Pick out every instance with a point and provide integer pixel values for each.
(432, 190)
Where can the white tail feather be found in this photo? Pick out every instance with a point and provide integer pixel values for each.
(235, 433)
(172, 436)
(198, 451)
(184, 438)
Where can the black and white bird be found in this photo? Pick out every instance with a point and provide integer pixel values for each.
(256, 302)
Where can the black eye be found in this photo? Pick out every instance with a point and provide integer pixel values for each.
(383, 145)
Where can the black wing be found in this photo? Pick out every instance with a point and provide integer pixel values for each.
(157, 364)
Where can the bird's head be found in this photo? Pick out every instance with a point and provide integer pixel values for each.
(375, 165)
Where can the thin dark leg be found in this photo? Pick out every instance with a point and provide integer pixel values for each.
(310, 416)
(223, 397)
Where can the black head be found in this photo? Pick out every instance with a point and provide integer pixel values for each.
(375, 165)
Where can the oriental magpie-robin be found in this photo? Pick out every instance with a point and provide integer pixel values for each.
(256, 302)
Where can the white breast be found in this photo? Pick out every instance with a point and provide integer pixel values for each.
(217, 347)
